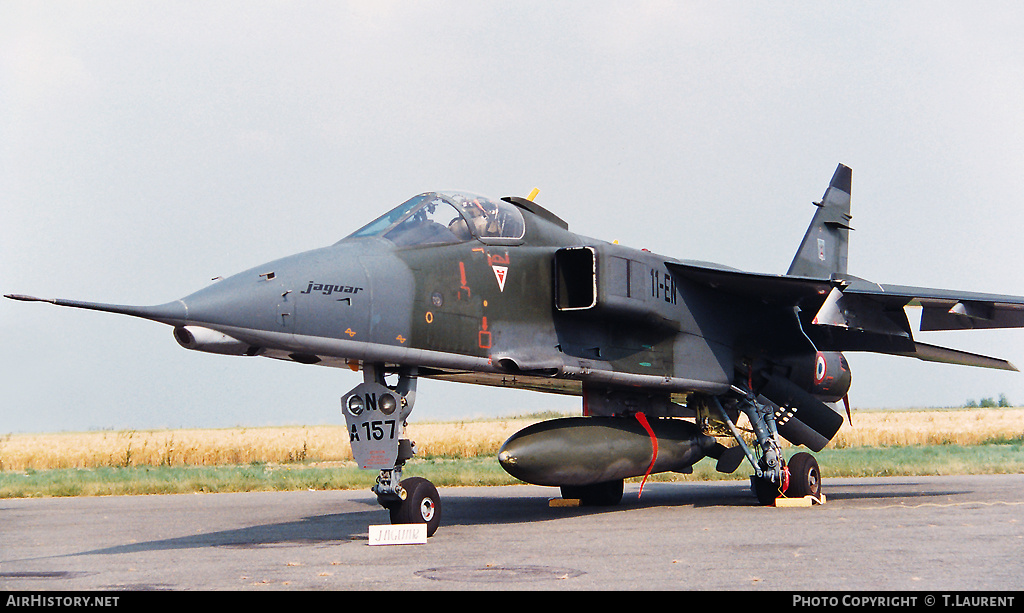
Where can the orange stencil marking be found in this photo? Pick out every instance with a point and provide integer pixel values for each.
(462, 279)
(484, 338)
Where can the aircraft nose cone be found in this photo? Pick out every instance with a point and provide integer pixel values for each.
(327, 293)
(234, 301)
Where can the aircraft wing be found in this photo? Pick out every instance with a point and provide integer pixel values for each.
(784, 289)
(947, 309)
(853, 314)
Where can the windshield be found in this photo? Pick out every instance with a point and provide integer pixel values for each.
(446, 217)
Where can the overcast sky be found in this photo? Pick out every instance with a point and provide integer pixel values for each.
(147, 147)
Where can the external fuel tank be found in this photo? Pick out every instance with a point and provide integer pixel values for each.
(585, 450)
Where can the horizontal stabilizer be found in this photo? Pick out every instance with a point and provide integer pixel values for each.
(933, 353)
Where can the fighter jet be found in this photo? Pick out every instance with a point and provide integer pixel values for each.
(670, 357)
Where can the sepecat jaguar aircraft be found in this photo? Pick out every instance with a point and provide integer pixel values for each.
(668, 355)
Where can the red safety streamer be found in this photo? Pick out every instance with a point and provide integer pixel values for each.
(640, 417)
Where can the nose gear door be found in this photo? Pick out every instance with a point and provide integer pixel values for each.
(373, 418)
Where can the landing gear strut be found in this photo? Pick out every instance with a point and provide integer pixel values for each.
(772, 477)
(376, 417)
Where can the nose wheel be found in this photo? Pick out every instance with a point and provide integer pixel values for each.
(422, 505)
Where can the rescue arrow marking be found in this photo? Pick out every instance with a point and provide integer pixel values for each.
(500, 272)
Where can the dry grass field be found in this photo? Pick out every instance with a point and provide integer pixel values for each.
(215, 447)
(329, 444)
(932, 427)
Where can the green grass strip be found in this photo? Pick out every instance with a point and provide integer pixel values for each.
(484, 470)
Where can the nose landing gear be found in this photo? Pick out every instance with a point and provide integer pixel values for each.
(376, 417)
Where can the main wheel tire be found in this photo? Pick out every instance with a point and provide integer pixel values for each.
(804, 476)
(422, 505)
(604, 494)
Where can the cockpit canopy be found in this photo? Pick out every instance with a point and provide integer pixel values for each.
(437, 218)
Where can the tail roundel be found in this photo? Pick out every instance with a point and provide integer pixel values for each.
(823, 252)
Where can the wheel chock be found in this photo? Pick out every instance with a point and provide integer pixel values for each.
(806, 501)
(554, 503)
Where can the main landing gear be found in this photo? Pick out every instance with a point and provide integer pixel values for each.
(800, 478)
(773, 477)
(376, 417)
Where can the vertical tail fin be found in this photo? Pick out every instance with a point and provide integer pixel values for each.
(824, 248)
